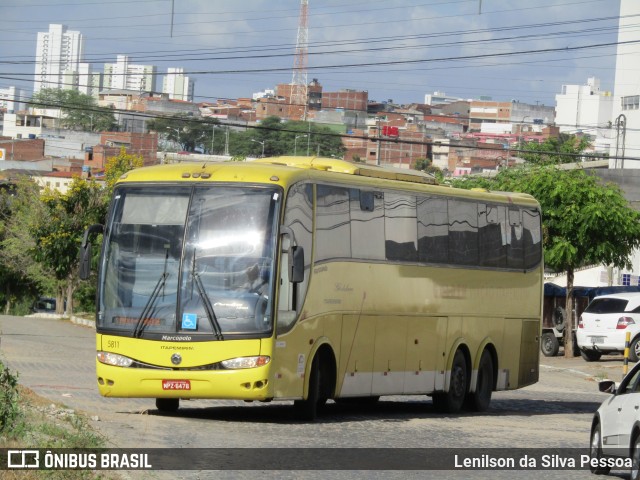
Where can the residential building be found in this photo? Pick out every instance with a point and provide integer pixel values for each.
(58, 52)
(440, 98)
(586, 110)
(625, 148)
(124, 75)
(177, 85)
(111, 143)
(346, 99)
(12, 99)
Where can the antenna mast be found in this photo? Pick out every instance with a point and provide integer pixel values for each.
(299, 80)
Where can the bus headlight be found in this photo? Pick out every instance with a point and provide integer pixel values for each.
(246, 362)
(114, 359)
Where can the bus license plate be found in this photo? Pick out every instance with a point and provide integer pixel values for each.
(176, 385)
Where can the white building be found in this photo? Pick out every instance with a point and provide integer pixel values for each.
(177, 85)
(440, 98)
(12, 99)
(58, 52)
(586, 109)
(123, 75)
(625, 150)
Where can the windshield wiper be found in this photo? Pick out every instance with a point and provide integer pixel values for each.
(211, 314)
(208, 308)
(137, 332)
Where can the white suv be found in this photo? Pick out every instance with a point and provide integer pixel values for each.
(603, 326)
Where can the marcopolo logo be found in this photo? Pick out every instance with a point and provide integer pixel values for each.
(23, 459)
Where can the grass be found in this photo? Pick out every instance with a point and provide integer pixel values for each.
(30, 421)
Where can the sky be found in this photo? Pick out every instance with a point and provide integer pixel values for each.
(396, 50)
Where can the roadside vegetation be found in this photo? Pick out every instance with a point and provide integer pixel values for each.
(29, 421)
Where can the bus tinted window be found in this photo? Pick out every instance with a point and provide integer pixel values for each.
(433, 230)
(333, 225)
(532, 237)
(463, 232)
(492, 236)
(367, 225)
(400, 227)
(515, 251)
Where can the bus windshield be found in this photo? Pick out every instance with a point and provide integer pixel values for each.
(189, 261)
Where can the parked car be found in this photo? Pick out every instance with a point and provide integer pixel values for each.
(615, 429)
(554, 314)
(44, 305)
(603, 326)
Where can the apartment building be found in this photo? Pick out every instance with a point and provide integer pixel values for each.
(625, 148)
(177, 85)
(124, 75)
(59, 51)
(586, 110)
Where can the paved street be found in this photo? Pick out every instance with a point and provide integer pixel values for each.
(55, 358)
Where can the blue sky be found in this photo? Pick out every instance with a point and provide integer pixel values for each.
(399, 50)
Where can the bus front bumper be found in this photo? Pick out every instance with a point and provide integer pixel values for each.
(240, 384)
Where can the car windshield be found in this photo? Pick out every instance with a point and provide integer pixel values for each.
(607, 305)
(189, 260)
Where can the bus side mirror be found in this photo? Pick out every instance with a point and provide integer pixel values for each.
(296, 264)
(85, 251)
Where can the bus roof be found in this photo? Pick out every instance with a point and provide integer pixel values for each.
(288, 169)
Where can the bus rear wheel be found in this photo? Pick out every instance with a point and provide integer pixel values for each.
(307, 409)
(452, 400)
(167, 405)
(479, 400)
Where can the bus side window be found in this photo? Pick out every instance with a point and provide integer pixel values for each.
(515, 249)
(333, 223)
(463, 232)
(401, 227)
(492, 249)
(433, 230)
(367, 225)
(532, 238)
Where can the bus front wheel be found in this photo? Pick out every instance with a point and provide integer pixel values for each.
(307, 409)
(452, 401)
(167, 405)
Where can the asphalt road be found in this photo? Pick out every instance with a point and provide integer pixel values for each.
(56, 359)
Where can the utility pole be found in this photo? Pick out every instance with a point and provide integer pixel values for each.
(299, 80)
(378, 141)
(226, 142)
(621, 132)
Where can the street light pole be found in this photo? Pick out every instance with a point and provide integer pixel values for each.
(295, 144)
(261, 143)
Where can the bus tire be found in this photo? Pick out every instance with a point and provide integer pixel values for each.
(307, 409)
(168, 405)
(479, 400)
(549, 345)
(452, 400)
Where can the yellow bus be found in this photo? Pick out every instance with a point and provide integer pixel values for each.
(309, 279)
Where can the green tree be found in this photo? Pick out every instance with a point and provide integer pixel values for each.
(59, 231)
(79, 111)
(21, 277)
(118, 165)
(188, 131)
(279, 138)
(425, 165)
(585, 221)
(553, 151)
